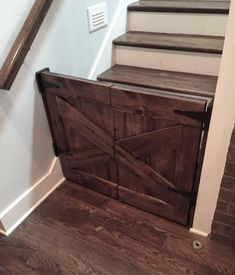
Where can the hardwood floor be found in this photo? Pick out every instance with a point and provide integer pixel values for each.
(78, 231)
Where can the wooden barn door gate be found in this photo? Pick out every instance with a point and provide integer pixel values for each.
(132, 144)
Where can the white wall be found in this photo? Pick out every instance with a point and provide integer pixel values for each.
(12, 15)
(65, 45)
(222, 122)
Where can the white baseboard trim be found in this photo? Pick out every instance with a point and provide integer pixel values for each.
(22, 207)
(198, 232)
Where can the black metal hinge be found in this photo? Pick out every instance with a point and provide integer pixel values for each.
(43, 84)
(41, 88)
(39, 79)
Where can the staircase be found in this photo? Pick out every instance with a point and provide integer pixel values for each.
(171, 45)
(136, 134)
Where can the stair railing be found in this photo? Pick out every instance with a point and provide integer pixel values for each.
(23, 42)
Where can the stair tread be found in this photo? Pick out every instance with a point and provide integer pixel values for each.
(185, 42)
(218, 7)
(185, 83)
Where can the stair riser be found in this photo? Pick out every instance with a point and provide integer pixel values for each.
(189, 62)
(186, 23)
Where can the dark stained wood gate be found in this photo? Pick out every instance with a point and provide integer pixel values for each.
(135, 145)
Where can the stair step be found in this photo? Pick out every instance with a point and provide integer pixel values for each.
(194, 84)
(214, 7)
(183, 42)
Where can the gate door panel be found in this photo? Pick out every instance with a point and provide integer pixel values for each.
(156, 150)
(82, 125)
(138, 147)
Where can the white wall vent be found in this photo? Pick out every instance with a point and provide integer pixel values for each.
(97, 16)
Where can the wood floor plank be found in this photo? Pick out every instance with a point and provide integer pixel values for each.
(110, 239)
(78, 231)
(14, 256)
(216, 7)
(184, 83)
(221, 256)
(171, 41)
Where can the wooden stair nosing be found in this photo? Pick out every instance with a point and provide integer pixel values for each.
(210, 7)
(185, 83)
(169, 41)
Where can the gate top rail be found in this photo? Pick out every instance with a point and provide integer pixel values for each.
(23, 42)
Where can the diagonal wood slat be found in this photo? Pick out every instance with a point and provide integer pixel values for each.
(152, 178)
(89, 130)
(153, 140)
(102, 140)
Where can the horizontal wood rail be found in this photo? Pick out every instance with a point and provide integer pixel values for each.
(22, 44)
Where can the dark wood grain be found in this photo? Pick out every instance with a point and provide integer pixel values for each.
(109, 136)
(88, 129)
(153, 179)
(23, 42)
(216, 7)
(156, 151)
(169, 41)
(74, 119)
(152, 204)
(153, 140)
(78, 231)
(82, 125)
(142, 103)
(94, 182)
(184, 83)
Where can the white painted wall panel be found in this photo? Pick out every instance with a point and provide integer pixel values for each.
(12, 16)
(180, 61)
(187, 23)
(222, 122)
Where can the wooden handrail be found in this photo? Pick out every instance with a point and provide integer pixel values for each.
(22, 44)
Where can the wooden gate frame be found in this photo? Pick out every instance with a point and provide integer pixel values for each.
(122, 155)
